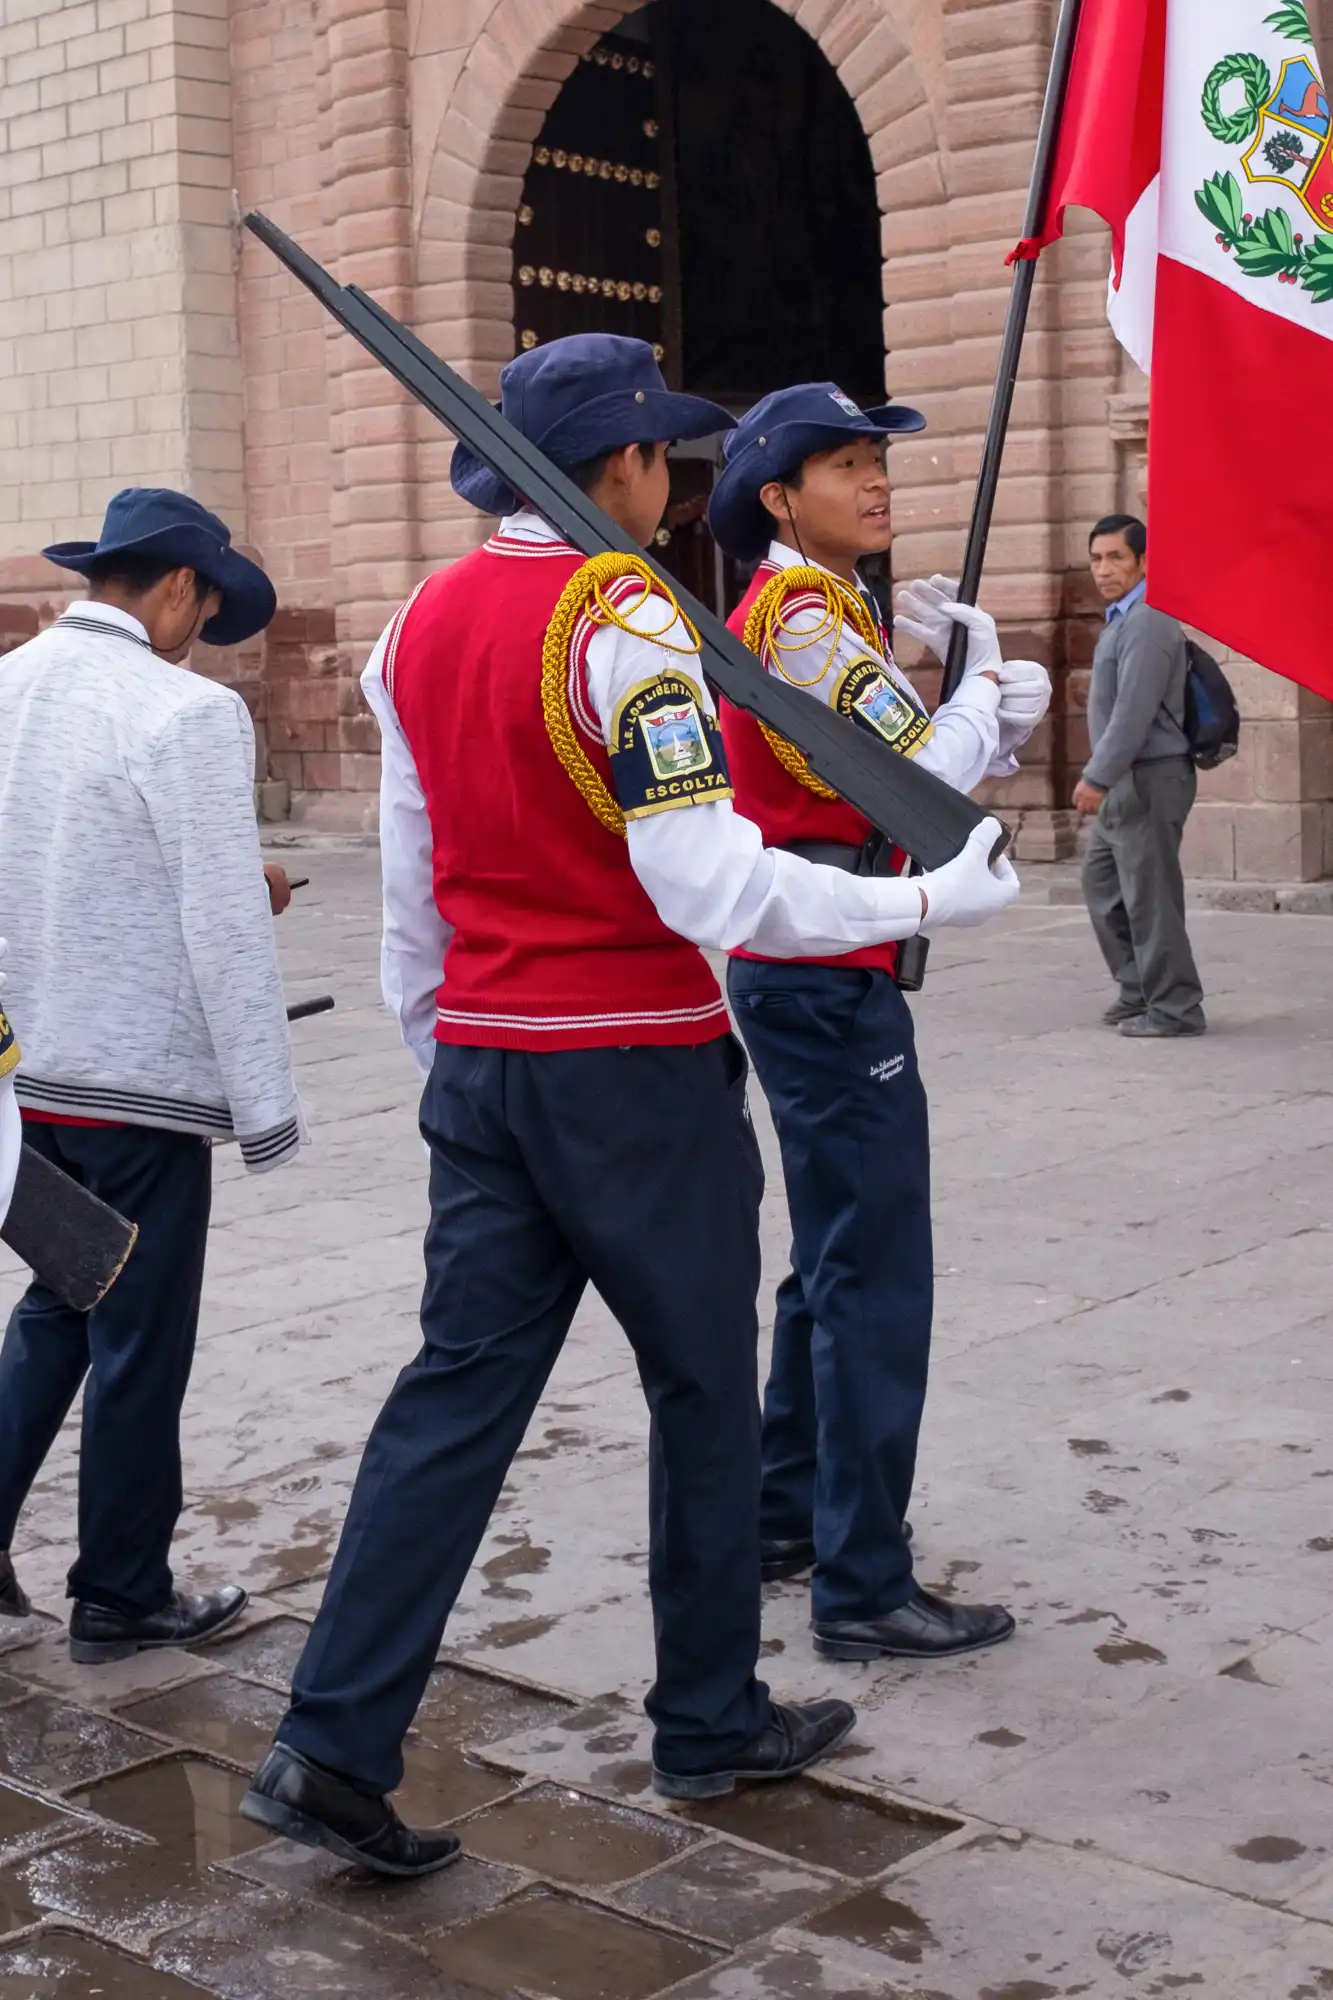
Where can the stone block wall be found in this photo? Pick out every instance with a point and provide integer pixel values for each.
(143, 338)
(118, 335)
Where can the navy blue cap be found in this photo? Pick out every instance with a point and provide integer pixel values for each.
(774, 438)
(577, 398)
(155, 523)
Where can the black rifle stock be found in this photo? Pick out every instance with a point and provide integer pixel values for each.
(914, 809)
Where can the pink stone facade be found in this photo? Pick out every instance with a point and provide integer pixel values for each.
(145, 338)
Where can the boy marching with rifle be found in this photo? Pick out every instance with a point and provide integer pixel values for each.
(559, 840)
(805, 490)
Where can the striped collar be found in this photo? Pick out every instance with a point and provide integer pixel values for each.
(107, 621)
(527, 534)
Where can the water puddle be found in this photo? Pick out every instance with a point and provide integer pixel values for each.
(187, 1805)
(17, 1909)
(64, 1967)
(460, 1712)
(21, 1817)
(569, 1838)
(513, 1632)
(432, 1904)
(233, 1719)
(727, 1893)
(550, 1945)
(877, 1922)
(264, 1653)
(130, 1889)
(51, 1744)
(827, 1829)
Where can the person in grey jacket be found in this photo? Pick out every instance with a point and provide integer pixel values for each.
(145, 993)
(1140, 784)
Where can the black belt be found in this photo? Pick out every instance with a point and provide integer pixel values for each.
(873, 857)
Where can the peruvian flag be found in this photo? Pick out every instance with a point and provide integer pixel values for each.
(1199, 130)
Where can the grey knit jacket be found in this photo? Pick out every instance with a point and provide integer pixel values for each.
(143, 977)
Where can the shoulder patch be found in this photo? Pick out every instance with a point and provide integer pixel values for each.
(9, 1048)
(867, 696)
(666, 749)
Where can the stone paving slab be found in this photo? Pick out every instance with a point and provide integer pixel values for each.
(1126, 1440)
(1021, 1918)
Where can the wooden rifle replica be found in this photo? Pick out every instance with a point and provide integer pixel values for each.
(73, 1242)
(913, 809)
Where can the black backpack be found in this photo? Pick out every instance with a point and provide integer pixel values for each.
(1212, 719)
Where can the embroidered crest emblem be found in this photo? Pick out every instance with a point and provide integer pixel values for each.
(666, 750)
(1285, 130)
(870, 698)
(675, 739)
(844, 402)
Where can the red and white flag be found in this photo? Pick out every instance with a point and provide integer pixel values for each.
(1199, 130)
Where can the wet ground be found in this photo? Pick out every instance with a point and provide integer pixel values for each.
(1129, 1441)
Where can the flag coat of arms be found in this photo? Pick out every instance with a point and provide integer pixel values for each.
(1200, 131)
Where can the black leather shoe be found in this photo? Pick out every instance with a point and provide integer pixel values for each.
(797, 1736)
(782, 1559)
(925, 1628)
(13, 1598)
(96, 1636)
(302, 1801)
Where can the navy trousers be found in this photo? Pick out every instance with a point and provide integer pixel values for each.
(834, 1050)
(136, 1350)
(636, 1170)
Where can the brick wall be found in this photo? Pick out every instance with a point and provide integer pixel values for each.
(117, 303)
(139, 342)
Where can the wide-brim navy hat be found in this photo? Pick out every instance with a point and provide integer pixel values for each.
(577, 398)
(775, 437)
(154, 522)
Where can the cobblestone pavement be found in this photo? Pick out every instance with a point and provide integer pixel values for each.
(1128, 1441)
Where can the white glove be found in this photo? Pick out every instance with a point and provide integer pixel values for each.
(929, 611)
(1025, 696)
(967, 890)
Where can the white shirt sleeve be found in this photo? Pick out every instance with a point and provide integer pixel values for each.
(706, 868)
(198, 788)
(415, 934)
(966, 735)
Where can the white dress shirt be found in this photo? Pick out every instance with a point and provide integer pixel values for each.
(705, 867)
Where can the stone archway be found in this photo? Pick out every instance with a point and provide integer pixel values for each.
(422, 180)
(470, 186)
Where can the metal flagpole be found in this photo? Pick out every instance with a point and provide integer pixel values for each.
(1011, 348)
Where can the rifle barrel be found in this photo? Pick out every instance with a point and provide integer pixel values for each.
(908, 804)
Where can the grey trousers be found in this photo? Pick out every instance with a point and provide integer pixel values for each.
(1136, 894)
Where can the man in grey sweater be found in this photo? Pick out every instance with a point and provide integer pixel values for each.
(1140, 784)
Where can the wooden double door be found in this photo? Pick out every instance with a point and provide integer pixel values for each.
(703, 183)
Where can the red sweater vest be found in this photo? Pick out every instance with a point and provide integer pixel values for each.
(556, 945)
(781, 806)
